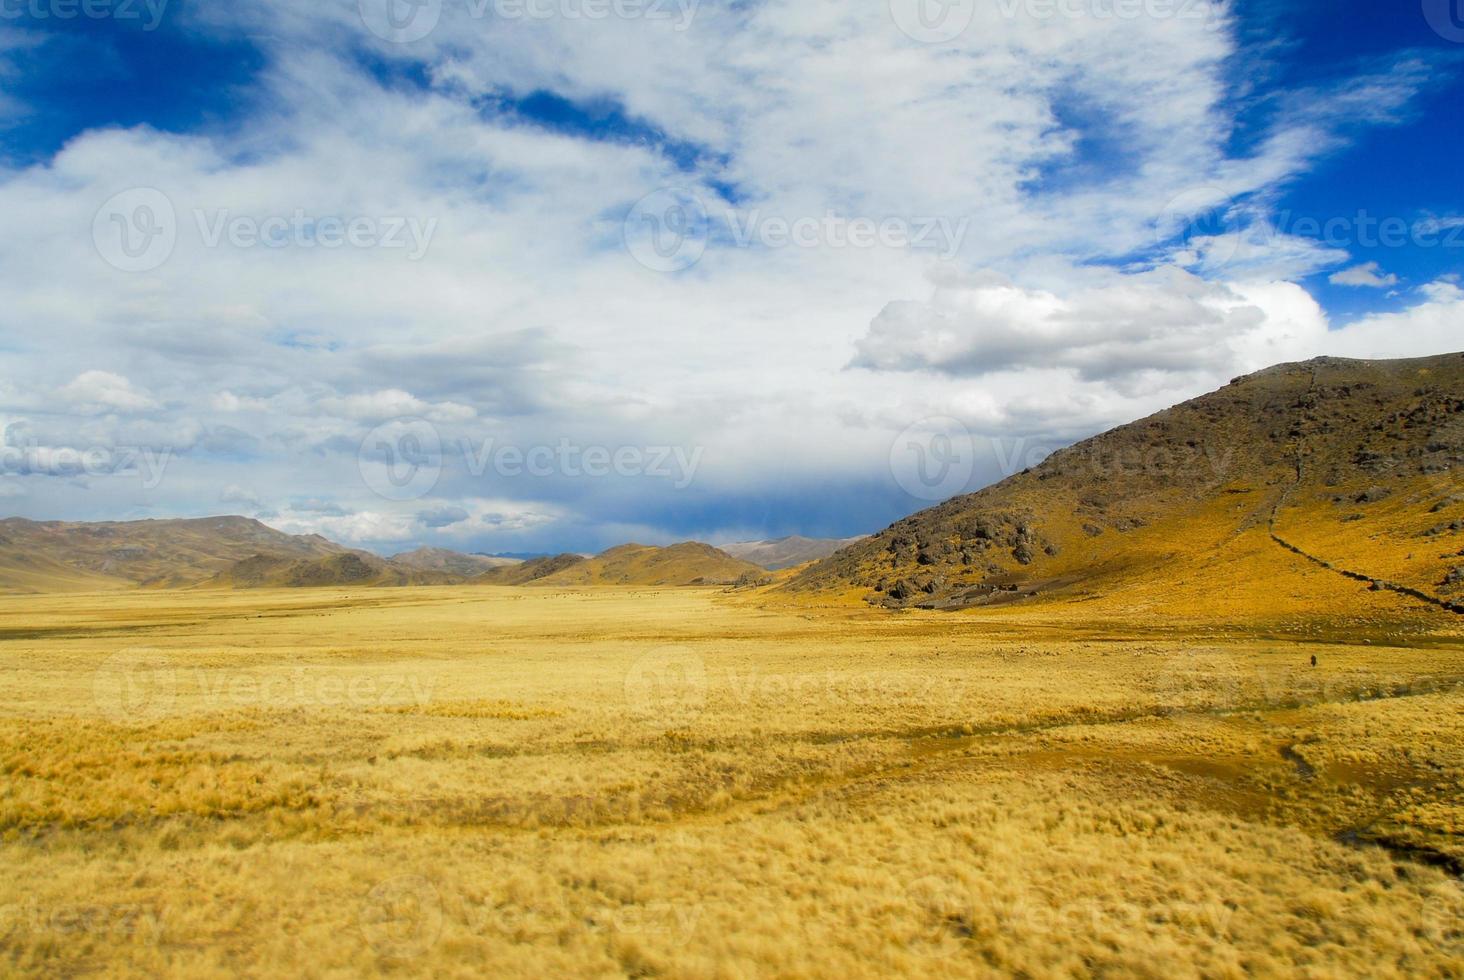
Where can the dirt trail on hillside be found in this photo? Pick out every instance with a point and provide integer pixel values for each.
(1376, 583)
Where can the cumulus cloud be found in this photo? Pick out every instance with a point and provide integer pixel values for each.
(1368, 274)
(234, 494)
(439, 524)
(440, 517)
(1167, 321)
(394, 403)
(102, 391)
(1430, 326)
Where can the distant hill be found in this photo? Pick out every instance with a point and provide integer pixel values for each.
(348, 568)
(239, 553)
(691, 563)
(26, 573)
(529, 572)
(786, 552)
(450, 562)
(1303, 488)
(65, 556)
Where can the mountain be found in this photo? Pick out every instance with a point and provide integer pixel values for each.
(355, 568)
(529, 572)
(1302, 488)
(786, 552)
(450, 562)
(25, 573)
(65, 556)
(691, 563)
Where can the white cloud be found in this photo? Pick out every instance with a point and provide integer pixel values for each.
(1369, 274)
(102, 391)
(394, 403)
(227, 401)
(235, 494)
(1430, 326)
(419, 521)
(1165, 321)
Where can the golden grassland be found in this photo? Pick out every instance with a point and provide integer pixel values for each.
(691, 783)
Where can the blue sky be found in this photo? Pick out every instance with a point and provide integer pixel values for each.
(755, 252)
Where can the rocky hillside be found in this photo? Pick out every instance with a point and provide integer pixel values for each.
(1287, 490)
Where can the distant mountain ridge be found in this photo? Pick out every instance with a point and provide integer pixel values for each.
(63, 555)
(451, 562)
(345, 568)
(788, 552)
(241, 553)
(686, 564)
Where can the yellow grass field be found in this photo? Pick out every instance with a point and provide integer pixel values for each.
(691, 783)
